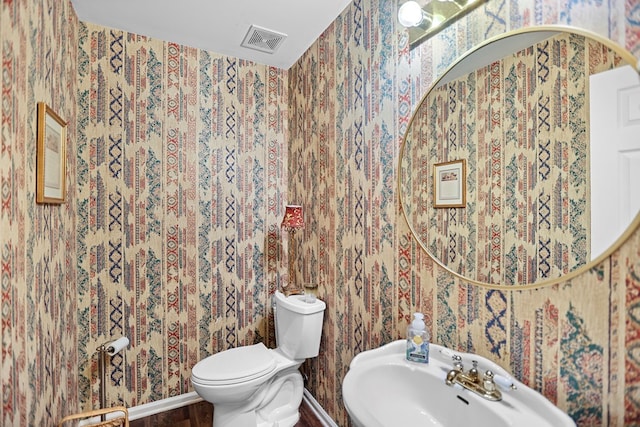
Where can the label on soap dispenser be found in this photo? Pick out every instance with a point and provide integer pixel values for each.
(418, 349)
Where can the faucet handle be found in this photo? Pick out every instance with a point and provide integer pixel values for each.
(473, 372)
(488, 382)
(457, 362)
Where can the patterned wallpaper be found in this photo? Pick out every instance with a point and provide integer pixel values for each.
(38, 322)
(352, 95)
(180, 164)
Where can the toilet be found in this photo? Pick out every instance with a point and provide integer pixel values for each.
(254, 386)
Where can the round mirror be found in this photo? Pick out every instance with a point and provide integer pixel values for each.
(503, 177)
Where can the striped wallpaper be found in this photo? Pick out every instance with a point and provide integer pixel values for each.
(180, 163)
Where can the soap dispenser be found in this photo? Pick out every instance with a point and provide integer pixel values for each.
(418, 340)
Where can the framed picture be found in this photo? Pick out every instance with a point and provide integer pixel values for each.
(51, 156)
(450, 190)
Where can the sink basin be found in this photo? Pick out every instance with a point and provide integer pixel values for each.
(382, 388)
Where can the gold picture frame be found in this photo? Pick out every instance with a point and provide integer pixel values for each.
(449, 184)
(51, 156)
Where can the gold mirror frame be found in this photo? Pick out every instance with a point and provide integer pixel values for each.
(627, 58)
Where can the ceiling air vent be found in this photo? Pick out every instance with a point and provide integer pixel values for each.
(264, 40)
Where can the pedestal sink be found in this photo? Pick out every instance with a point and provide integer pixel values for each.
(383, 389)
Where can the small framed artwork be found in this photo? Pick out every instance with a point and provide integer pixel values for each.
(51, 156)
(450, 190)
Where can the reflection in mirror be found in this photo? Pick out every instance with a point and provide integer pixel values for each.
(520, 119)
(615, 153)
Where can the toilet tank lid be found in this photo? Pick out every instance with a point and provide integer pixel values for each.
(297, 303)
(235, 365)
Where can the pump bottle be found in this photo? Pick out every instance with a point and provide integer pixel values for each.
(418, 340)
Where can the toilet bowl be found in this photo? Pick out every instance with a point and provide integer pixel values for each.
(254, 386)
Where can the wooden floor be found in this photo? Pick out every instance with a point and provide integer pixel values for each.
(201, 415)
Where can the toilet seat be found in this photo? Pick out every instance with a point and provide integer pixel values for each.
(236, 365)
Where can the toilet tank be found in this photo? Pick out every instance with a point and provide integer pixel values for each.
(298, 325)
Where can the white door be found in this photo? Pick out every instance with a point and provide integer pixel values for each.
(615, 154)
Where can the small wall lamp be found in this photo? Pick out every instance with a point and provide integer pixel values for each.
(424, 18)
(411, 14)
(293, 220)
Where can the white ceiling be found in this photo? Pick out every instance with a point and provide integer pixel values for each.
(219, 26)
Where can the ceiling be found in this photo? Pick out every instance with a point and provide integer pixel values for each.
(286, 28)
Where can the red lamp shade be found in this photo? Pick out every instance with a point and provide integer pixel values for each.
(293, 218)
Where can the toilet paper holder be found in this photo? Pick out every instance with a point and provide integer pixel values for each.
(110, 348)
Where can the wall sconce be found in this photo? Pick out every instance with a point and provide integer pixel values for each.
(411, 14)
(292, 221)
(425, 18)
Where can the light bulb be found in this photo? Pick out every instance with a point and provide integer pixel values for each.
(410, 14)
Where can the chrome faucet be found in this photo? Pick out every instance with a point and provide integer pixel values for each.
(483, 385)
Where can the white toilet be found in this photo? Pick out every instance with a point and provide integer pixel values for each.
(255, 386)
